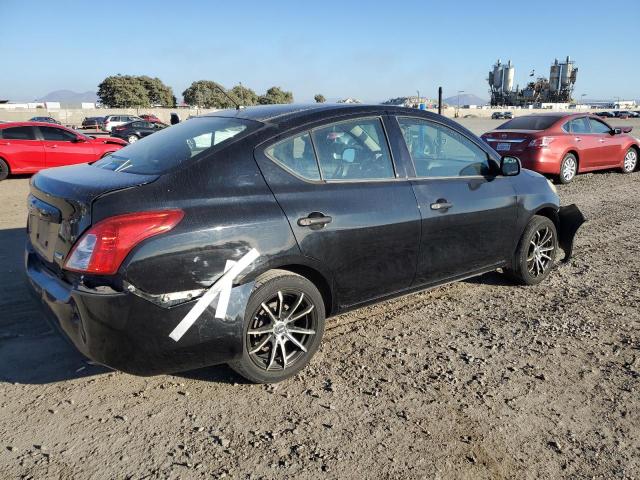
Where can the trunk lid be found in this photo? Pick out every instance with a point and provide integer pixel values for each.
(60, 206)
(509, 141)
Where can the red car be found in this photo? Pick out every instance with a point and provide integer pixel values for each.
(563, 145)
(27, 147)
(149, 117)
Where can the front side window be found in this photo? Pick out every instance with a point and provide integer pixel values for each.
(18, 133)
(296, 154)
(353, 150)
(56, 134)
(168, 148)
(598, 127)
(439, 151)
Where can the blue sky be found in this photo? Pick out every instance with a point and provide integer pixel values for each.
(366, 49)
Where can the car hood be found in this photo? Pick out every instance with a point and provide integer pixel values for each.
(112, 140)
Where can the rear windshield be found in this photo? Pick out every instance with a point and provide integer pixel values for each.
(529, 123)
(168, 148)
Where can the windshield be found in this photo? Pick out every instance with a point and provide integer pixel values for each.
(531, 122)
(171, 146)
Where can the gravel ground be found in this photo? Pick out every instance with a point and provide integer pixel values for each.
(479, 379)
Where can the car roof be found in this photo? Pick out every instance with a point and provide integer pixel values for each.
(292, 113)
(32, 124)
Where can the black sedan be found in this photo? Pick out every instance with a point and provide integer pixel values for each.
(134, 131)
(92, 122)
(502, 115)
(45, 120)
(605, 114)
(231, 237)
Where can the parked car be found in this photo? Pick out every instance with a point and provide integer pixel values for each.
(45, 120)
(605, 114)
(150, 118)
(231, 237)
(92, 122)
(634, 114)
(111, 121)
(174, 119)
(134, 131)
(621, 114)
(501, 115)
(564, 145)
(28, 147)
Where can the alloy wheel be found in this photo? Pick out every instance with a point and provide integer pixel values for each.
(281, 330)
(540, 253)
(630, 160)
(569, 167)
(132, 139)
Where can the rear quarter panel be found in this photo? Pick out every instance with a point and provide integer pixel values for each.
(228, 210)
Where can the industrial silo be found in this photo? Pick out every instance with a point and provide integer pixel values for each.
(508, 73)
(554, 77)
(567, 70)
(497, 76)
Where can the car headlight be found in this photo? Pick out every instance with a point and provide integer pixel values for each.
(552, 186)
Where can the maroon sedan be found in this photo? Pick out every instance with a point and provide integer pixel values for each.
(563, 145)
(27, 147)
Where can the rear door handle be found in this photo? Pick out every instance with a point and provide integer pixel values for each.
(52, 146)
(441, 204)
(601, 140)
(314, 220)
(5, 143)
(578, 139)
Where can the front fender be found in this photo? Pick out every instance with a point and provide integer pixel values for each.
(570, 220)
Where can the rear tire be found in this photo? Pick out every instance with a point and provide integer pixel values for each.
(630, 162)
(279, 342)
(4, 170)
(536, 253)
(568, 169)
(132, 139)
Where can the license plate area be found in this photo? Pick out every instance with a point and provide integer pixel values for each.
(44, 223)
(503, 147)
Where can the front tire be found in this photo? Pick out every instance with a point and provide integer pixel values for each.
(568, 169)
(132, 139)
(630, 161)
(536, 253)
(4, 170)
(283, 327)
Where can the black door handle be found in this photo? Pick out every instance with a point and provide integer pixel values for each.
(315, 220)
(441, 204)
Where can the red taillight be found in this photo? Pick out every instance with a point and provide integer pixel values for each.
(541, 142)
(104, 246)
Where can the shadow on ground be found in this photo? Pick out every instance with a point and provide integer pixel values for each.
(31, 350)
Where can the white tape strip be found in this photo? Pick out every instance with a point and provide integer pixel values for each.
(225, 292)
(201, 305)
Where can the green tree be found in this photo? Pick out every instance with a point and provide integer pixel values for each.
(245, 96)
(319, 98)
(158, 92)
(123, 91)
(275, 95)
(206, 94)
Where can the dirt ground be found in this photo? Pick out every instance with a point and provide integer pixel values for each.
(479, 379)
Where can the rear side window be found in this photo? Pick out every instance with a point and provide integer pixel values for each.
(170, 147)
(353, 150)
(578, 125)
(530, 122)
(19, 133)
(296, 154)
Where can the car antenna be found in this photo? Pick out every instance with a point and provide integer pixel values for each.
(222, 90)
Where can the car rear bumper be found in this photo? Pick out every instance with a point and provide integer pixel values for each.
(539, 160)
(126, 332)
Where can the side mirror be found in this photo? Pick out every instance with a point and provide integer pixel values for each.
(510, 166)
(79, 140)
(616, 131)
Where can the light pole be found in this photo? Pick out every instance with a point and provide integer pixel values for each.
(582, 98)
(458, 109)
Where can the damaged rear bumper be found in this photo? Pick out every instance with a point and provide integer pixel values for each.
(570, 218)
(127, 332)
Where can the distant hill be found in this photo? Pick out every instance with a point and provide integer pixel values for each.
(68, 96)
(465, 99)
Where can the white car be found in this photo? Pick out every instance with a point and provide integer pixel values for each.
(111, 121)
